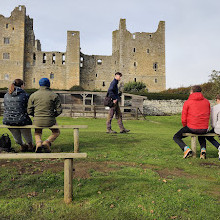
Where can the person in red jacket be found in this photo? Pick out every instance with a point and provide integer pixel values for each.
(195, 119)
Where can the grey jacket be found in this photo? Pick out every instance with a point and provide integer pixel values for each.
(215, 118)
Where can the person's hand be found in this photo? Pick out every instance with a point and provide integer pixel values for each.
(114, 101)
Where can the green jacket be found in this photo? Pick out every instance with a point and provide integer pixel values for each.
(45, 106)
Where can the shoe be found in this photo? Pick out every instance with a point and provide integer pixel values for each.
(203, 153)
(46, 146)
(30, 147)
(187, 153)
(124, 131)
(111, 132)
(24, 148)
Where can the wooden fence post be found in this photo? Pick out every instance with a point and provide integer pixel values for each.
(68, 180)
(76, 139)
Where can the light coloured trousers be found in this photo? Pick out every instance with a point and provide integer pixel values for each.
(19, 133)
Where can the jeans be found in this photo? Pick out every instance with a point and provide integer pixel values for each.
(179, 136)
(18, 133)
(212, 139)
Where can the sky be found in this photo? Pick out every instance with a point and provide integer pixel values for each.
(192, 29)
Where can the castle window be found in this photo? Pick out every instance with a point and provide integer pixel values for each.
(52, 76)
(148, 51)
(33, 80)
(150, 36)
(6, 77)
(133, 36)
(81, 64)
(96, 75)
(135, 64)
(103, 84)
(6, 26)
(6, 40)
(53, 58)
(134, 50)
(73, 34)
(13, 28)
(155, 66)
(135, 79)
(19, 8)
(155, 80)
(6, 56)
(44, 58)
(81, 59)
(99, 62)
(34, 57)
(63, 59)
(115, 62)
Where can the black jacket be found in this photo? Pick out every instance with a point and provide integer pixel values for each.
(15, 105)
(113, 90)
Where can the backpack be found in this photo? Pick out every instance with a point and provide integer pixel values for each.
(5, 143)
(108, 101)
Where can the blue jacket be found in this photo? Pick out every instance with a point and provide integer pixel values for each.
(113, 90)
(15, 112)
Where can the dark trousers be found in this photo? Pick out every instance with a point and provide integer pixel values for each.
(115, 110)
(212, 139)
(179, 136)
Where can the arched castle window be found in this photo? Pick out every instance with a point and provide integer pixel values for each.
(44, 58)
(63, 59)
(155, 66)
(53, 58)
(135, 79)
(51, 75)
(103, 84)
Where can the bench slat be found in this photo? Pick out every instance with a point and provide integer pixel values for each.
(42, 155)
(196, 135)
(54, 126)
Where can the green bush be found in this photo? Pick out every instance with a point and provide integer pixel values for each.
(76, 88)
(134, 87)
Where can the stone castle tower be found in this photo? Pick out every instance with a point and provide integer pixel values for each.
(138, 56)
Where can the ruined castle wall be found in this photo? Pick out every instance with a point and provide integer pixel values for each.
(12, 39)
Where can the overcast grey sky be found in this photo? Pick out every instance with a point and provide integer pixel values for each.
(192, 29)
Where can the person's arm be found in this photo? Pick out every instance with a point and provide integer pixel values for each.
(58, 106)
(214, 117)
(184, 114)
(111, 90)
(30, 108)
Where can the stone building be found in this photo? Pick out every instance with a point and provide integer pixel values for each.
(138, 56)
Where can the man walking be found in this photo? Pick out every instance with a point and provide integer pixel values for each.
(195, 119)
(113, 93)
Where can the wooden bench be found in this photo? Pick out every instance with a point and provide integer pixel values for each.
(74, 127)
(68, 166)
(193, 140)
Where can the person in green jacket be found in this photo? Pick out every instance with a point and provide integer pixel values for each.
(44, 105)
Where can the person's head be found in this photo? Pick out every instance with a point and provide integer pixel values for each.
(44, 82)
(16, 83)
(118, 76)
(218, 98)
(195, 88)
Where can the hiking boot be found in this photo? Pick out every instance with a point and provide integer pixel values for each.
(124, 131)
(24, 148)
(46, 146)
(110, 131)
(203, 153)
(187, 153)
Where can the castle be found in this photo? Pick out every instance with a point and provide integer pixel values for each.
(138, 56)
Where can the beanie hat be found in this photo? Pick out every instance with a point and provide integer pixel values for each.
(44, 82)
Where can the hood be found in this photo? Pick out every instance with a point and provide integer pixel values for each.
(196, 96)
(17, 91)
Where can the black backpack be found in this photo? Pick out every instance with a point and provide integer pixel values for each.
(5, 143)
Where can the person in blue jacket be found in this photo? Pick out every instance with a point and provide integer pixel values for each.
(115, 109)
(15, 114)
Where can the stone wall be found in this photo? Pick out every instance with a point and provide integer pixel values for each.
(165, 107)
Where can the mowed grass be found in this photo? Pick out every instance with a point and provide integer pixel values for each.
(139, 175)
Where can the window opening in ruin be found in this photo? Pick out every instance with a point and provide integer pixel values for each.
(33, 80)
(115, 62)
(52, 76)
(73, 34)
(155, 66)
(6, 56)
(81, 59)
(13, 28)
(148, 51)
(53, 59)
(150, 36)
(6, 25)
(81, 64)
(34, 56)
(6, 40)
(96, 75)
(155, 80)
(63, 59)
(6, 77)
(135, 64)
(133, 36)
(134, 50)
(135, 79)
(103, 84)
(19, 8)
(44, 58)
(99, 61)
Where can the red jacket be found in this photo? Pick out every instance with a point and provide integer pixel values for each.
(196, 112)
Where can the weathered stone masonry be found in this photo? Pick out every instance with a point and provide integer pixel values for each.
(139, 56)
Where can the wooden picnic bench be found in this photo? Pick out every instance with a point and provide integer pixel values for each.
(193, 140)
(74, 127)
(68, 166)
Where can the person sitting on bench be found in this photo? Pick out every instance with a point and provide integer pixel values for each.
(45, 106)
(195, 119)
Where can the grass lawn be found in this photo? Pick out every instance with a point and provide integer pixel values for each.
(140, 175)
